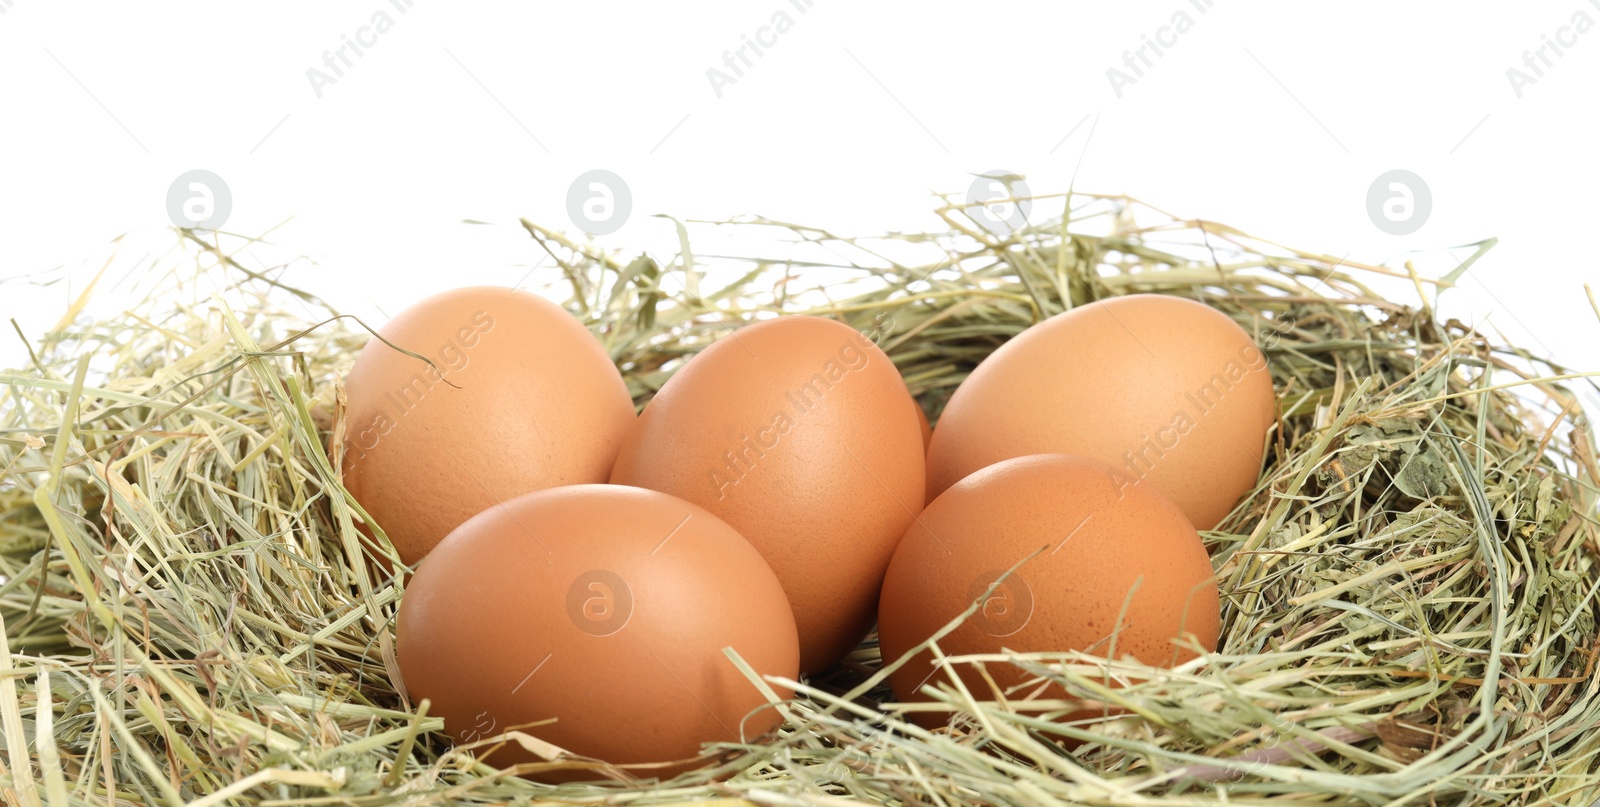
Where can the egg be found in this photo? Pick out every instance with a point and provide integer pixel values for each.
(594, 617)
(1103, 570)
(1169, 391)
(922, 423)
(520, 397)
(798, 432)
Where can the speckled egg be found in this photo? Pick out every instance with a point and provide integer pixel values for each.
(1105, 570)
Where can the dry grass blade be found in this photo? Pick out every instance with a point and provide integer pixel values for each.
(1409, 594)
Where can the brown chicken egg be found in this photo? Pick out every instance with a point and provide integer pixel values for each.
(1105, 570)
(1169, 391)
(922, 423)
(799, 433)
(519, 397)
(594, 617)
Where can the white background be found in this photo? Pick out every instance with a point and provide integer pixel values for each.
(1272, 117)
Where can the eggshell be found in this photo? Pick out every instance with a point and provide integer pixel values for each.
(1103, 560)
(922, 423)
(1168, 390)
(523, 398)
(799, 433)
(602, 608)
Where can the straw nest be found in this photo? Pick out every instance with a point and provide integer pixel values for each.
(1409, 606)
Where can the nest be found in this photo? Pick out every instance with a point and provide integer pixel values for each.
(1408, 595)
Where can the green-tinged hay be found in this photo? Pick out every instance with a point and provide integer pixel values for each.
(1408, 595)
